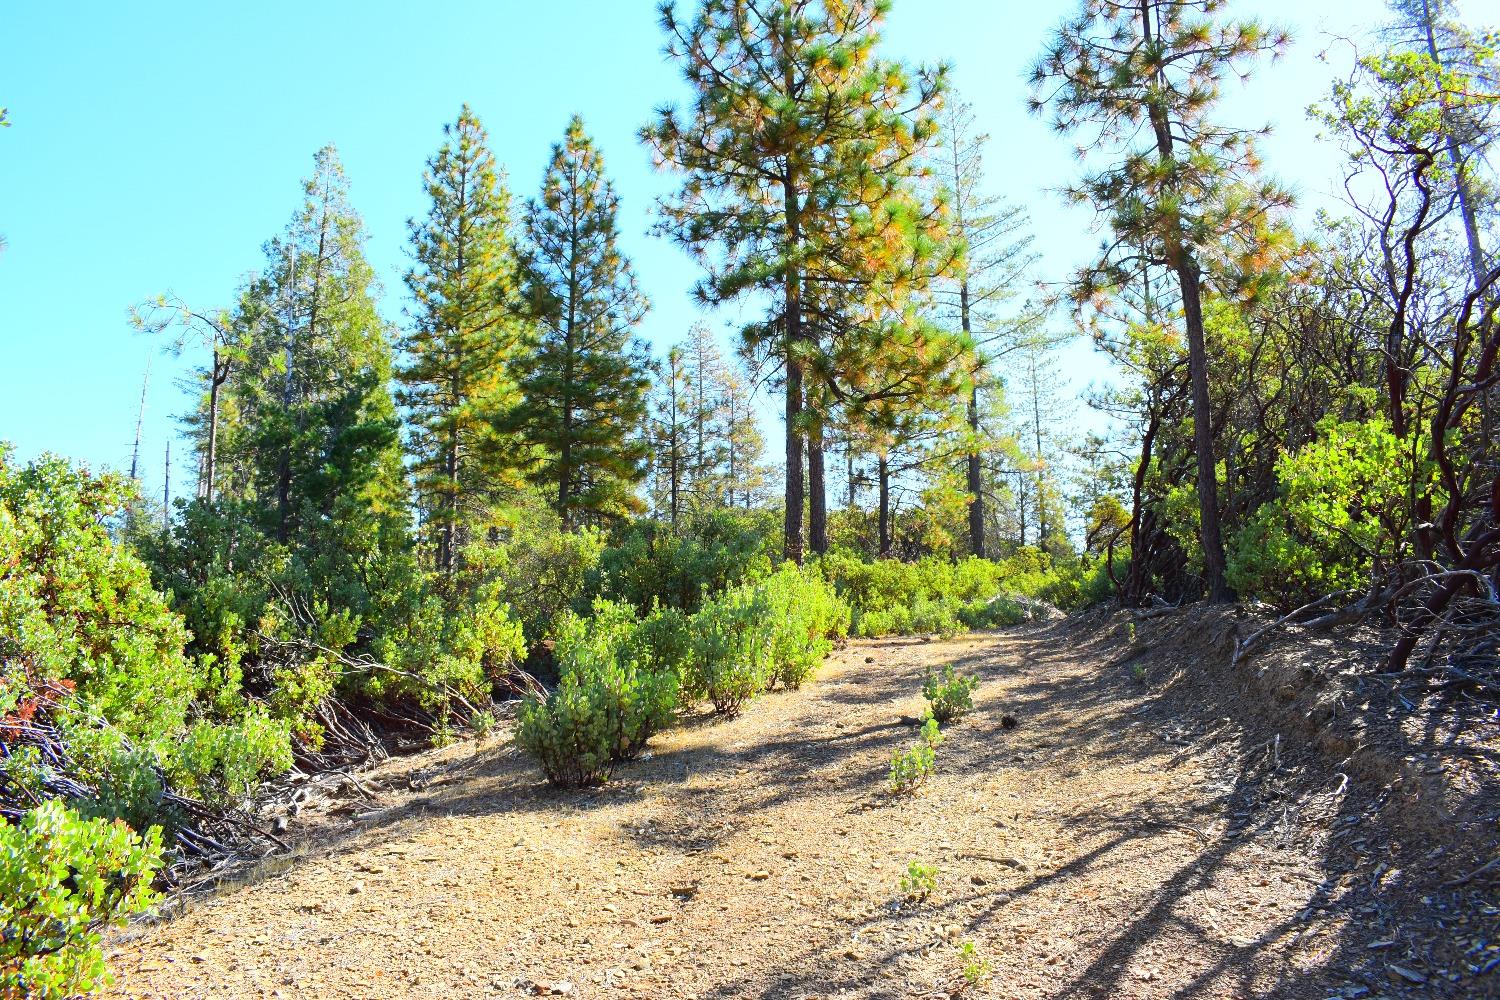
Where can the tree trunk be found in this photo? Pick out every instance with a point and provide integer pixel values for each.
(974, 473)
(1210, 536)
(883, 541)
(1186, 267)
(215, 382)
(817, 487)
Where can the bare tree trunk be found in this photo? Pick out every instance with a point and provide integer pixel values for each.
(883, 539)
(166, 492)
(140, 419)
(1210, 536)
(817, 522)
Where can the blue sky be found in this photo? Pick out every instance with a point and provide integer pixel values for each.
(156, 146)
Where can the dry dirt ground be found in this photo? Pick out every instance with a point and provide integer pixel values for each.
(1113, 844)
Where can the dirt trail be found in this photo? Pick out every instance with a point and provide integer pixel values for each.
(1102, 848)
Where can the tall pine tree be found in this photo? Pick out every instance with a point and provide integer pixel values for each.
(584, 388)
(1142, 81)
(467, 336)
(795, 147)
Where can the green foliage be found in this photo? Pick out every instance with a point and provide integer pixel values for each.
(919, 881)
(975, 967)
(713, 551)
(617, 689)
(584, 385)
(911, 768)
(569, 734)
(772, 631)
(79, 619)
(934, 594)
(459, 380)
(733, 643)
(63, 879)
(1342, 505)
(529, 563)
(949, 696)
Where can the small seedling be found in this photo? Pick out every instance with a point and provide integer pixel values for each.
(1130, 633)
(1139, 673)
(976, 968)
(910, 768)
(950, 696)
(920, 881)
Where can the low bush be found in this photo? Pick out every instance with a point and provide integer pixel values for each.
(941, 596)
(615, 692)
(88, 646)
(64, 879)
(733, 643)
(568, 733)
(948, 695)
(806, 616)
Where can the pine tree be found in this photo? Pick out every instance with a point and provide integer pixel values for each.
(1143, 80)
(584, 388)
(704, 369)
(997, 255)
(797, 139)
(296, 429)
(467, 336)
(670, 435)
(310, 427)
(743, 445)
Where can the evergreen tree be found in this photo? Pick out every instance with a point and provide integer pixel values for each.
(796, 151)
(584, 388)
(670, 435)
(704, 368)
(744, 474)
(997, 254)
(467, 336)
(310, 429)
(1143, 80)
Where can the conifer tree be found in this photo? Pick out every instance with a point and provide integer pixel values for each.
(743, 444)
(584, 387)
(704, 368)
(670, 434)
(310, 424)
(467, 335)
(796, 140)
(1142, 80)
(997, 254)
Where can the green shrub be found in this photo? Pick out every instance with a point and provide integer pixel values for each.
(806, 616)
(1343, 507)
(949, 696)
(975, 967)
(569, 734)
(920, 880)
(528, 563)
(63, 879)
(615, 692)
(603, 651)
(912, 767)
(79, 615)
(936, 595)
(733, 645)
(655, 564)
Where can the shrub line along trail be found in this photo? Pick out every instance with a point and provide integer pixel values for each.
(1093, 851)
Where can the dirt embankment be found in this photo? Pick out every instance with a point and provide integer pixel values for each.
(1141, 833)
